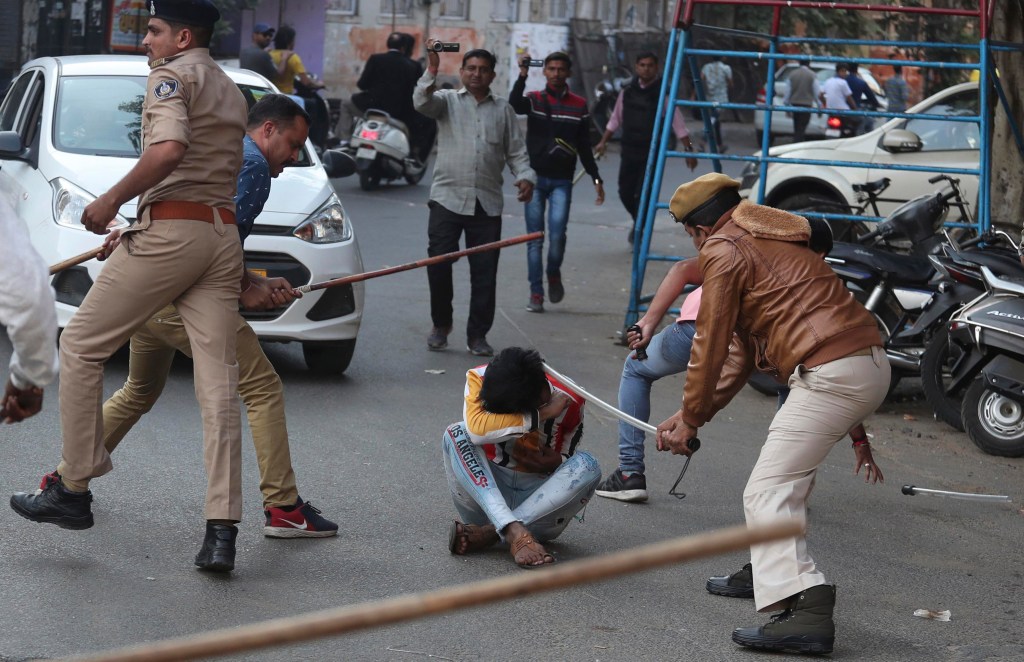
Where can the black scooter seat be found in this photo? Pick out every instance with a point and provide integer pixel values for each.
(872, 187)
(1002, 262)
(903, 269)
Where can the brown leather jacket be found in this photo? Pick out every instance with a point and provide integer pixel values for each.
(786, 305)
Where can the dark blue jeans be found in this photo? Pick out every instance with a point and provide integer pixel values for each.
(556, 195)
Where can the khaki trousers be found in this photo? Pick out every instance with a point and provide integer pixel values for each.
(152, 352)
(824, 403)
(198, 267)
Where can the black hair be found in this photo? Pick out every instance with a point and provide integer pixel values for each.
(285, 38)
(842, 65)
(647, 55)
(558, 56)
(201, 36)
(897, 69)
(396, 41)
(482, 54)
(852, 66)
(708, 212)
(277, 108)
(408, 43)
(821, 236)
(514, 381)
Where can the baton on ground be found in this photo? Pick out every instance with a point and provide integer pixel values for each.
(316, 625)
(911, 490)
(76, 260)
(425, 262)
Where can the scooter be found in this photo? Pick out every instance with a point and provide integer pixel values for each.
(990, 333)
(381, 147)
(319, 112)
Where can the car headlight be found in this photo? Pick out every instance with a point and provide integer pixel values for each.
(326, 225)
(68, 203)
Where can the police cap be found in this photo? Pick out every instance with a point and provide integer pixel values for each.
(200, 13)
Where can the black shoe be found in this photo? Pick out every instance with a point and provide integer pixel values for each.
(438, 338)
(218, 551)
(555, 290)
(739, 584)
(55, 504)
(805, 627)
(617, 486)
(479, 347)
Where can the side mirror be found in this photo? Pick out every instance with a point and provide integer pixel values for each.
(338, 164)
(899, 141)
(10, 145)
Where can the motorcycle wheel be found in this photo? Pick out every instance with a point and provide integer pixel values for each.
(368, 181)
(886, 320)
(939, 356)
(994, 422)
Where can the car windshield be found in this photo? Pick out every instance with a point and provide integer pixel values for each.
(102, 115)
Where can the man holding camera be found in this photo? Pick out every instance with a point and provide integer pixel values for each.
(557, 131)
(477, 135)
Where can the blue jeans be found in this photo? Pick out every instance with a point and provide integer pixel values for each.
(667, 354)
(557, 193)
(487, 493)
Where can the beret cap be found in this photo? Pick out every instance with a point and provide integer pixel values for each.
(693, 194)
(200, 13)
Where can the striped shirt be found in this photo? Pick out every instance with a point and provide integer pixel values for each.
(498, 433)
(474, 142)
(551, 116)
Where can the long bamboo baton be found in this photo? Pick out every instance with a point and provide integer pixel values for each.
(694, 444)
(76, 260)
(330, 622)
(425, 262)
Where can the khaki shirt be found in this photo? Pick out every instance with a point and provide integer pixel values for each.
(190, 100)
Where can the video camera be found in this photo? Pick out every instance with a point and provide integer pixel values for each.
(527, 62)
(444, 47)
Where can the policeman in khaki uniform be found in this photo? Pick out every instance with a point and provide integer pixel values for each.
(183, 249)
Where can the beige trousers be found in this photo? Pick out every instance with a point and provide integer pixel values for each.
(198, 267)
(152, 352)
(824, 403)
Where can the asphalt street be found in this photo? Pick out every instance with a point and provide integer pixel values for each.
(366, 449)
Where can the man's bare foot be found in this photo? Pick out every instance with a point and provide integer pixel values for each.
(467, 538)
(527, 552)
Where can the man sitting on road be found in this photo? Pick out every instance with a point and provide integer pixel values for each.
(513, 467)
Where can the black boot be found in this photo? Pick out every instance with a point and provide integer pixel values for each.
(55, 504)
(218, 551)
(806, 626)
(739, 584)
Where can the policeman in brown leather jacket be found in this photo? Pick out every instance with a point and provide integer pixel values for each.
(800, 323)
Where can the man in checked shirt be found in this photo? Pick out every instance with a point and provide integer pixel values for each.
(477, 135)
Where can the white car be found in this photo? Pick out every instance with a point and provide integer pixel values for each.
(817, 127)
(70, 128)
(900, 141)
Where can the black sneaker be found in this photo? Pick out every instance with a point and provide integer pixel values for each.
(739, 584)
(479, 347)
(55, 504)
(617, 486)
(438, 338)
(218, 551)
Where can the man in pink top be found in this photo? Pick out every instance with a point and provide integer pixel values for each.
(635, 112)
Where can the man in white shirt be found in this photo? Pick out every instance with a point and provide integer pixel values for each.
(27, 310)
(835, 93)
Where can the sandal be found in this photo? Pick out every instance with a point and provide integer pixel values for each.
(528, 541)
(475, 536)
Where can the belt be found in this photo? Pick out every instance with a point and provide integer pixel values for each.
(193, 211)
(867, 351)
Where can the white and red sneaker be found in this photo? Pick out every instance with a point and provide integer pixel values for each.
(302, 520)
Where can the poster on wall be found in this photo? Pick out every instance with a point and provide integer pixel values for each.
(536, 40)
(128, 20)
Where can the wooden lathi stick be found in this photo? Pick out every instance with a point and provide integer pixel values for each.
(76, 260)
(425, 262)
(330, 622)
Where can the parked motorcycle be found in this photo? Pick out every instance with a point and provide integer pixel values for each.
(319, 112)
(896, 287)
(990, 333)
(381, 147)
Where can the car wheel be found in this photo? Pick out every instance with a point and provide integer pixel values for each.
(328, 358)
(994, 422)
(811, 202)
